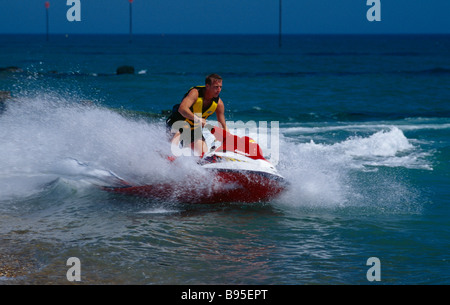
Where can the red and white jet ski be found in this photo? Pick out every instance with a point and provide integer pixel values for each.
(240, 174)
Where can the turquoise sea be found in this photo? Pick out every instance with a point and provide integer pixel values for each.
(364, 141)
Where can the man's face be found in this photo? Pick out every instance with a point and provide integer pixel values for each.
(215, 87)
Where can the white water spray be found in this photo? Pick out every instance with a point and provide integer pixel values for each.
(48, 137)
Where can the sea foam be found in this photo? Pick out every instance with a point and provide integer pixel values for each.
(47, 137)
(346, 173)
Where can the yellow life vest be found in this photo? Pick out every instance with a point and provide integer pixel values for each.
(197, 107)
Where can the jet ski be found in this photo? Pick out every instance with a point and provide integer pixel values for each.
(240, 174)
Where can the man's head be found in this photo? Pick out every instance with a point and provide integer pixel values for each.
(213, 83)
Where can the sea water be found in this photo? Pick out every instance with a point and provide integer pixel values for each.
(363, 141)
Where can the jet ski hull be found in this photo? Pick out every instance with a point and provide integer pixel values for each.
(227, 186)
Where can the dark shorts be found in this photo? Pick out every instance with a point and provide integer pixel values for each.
(192, 138)
(175, 116)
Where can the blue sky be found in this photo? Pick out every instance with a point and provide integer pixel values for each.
(226, 17)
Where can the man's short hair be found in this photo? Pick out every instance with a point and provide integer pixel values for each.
(209, 79)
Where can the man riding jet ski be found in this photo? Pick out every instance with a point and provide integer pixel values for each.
(196, 106)
(240, 173)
